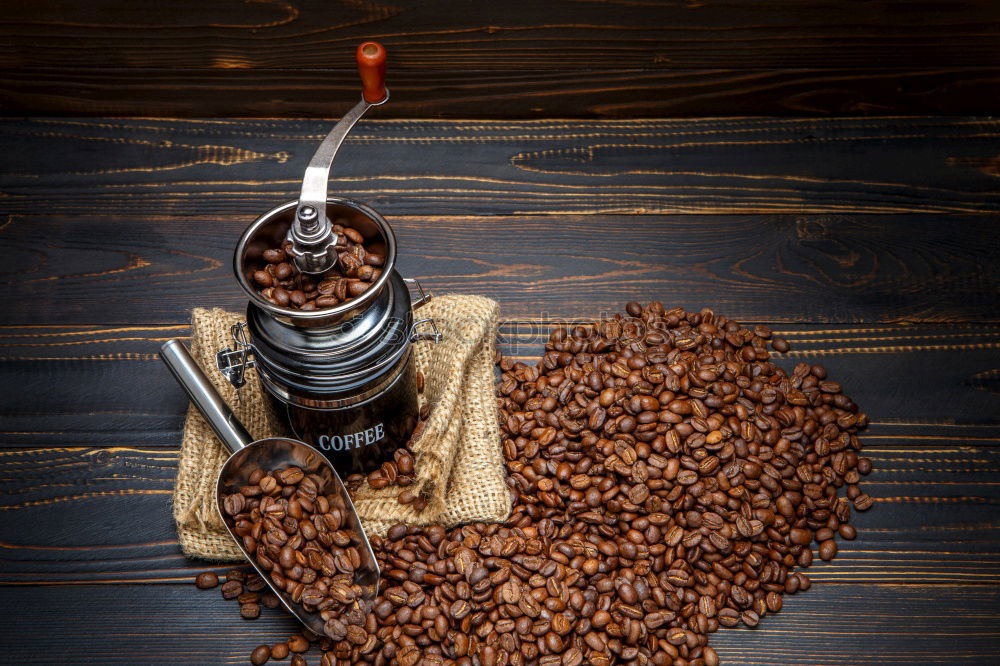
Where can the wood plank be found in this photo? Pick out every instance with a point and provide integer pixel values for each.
(128, 270)
(723, 166)
(518, 59)
(512, 36)
(829, 624)
(514, 94)
(104, 385)
(935, 518)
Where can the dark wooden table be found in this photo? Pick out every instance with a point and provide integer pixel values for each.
(871, 244)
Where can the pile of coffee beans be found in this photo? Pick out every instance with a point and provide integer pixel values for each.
(298, 535)
(667, 478)
(358, 266)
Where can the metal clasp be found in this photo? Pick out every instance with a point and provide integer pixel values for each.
(233, 363)
(425, 297)
(417, 336)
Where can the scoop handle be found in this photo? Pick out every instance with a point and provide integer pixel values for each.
(371, 66)
(204, 396)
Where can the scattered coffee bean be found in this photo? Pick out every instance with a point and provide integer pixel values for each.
(298, 643)
(232, 589)
(250, 611)
(206, 581)
(828, 550)
(260, 655)
(863, 502)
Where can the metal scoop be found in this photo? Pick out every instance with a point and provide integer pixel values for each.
(269, 454)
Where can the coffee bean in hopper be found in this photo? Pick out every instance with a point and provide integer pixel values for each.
(359, 265)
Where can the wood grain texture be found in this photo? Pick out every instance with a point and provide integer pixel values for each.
(157, 168)
(105, 385)
(127, 270)
(514, 94)
(568, 58)
(829, 624)
(514, 35)
(935, 519)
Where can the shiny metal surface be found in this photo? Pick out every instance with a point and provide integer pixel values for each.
(204, 396)
(270, 229)
(312, 400)
(268, 454)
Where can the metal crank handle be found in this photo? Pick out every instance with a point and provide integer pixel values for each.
(204, 396)
(311, 233)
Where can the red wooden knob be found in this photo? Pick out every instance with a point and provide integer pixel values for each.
(371, 67)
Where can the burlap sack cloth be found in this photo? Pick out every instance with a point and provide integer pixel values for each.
(459, 467)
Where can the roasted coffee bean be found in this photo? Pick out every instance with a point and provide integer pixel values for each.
(298, 643)
(828, 550)
(260, 655)
(354, 236)
(250, 611)
(236, 574)
(232, 589)
(404, 461)
(263, 278)
(248, 598)
(274, 255)
(279, 651)
(234, 504)
(207, 580)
